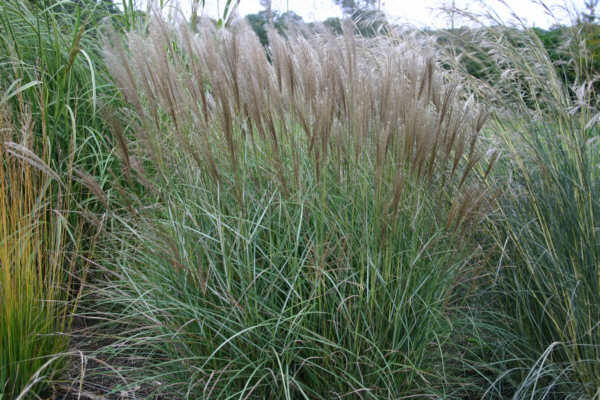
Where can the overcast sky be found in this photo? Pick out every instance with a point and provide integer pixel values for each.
(417, 12)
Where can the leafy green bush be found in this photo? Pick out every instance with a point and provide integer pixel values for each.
(283, 296)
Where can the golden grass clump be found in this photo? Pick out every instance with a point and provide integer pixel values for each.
(33, 266)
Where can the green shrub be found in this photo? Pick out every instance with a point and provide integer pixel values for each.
(283, 296)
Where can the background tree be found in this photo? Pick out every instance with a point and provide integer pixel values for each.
(195, 9)
(366, 14)
(590, 6)
(267, 5)
(350, 7)
(448, 9)
(280, 21)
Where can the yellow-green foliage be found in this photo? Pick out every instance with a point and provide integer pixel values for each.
(32, 260)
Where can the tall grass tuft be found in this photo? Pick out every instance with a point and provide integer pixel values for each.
(35, 266)
(298, 230)
(55, 47)
(53, 153)
(545, 290)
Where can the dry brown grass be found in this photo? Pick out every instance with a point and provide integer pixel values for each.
(336, 101)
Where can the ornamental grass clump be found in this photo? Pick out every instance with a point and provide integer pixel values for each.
(540, 328)
(55, 46)
(53, 89)
(34, 264)
(291, 228)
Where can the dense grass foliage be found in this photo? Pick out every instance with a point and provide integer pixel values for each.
(54, 88)
(300, 237)
(34, 264)
(57, 52)
(283, 296)
(545, 287)
(335, 215)
(550, 280)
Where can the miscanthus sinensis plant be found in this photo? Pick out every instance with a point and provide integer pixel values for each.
(294, 223)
